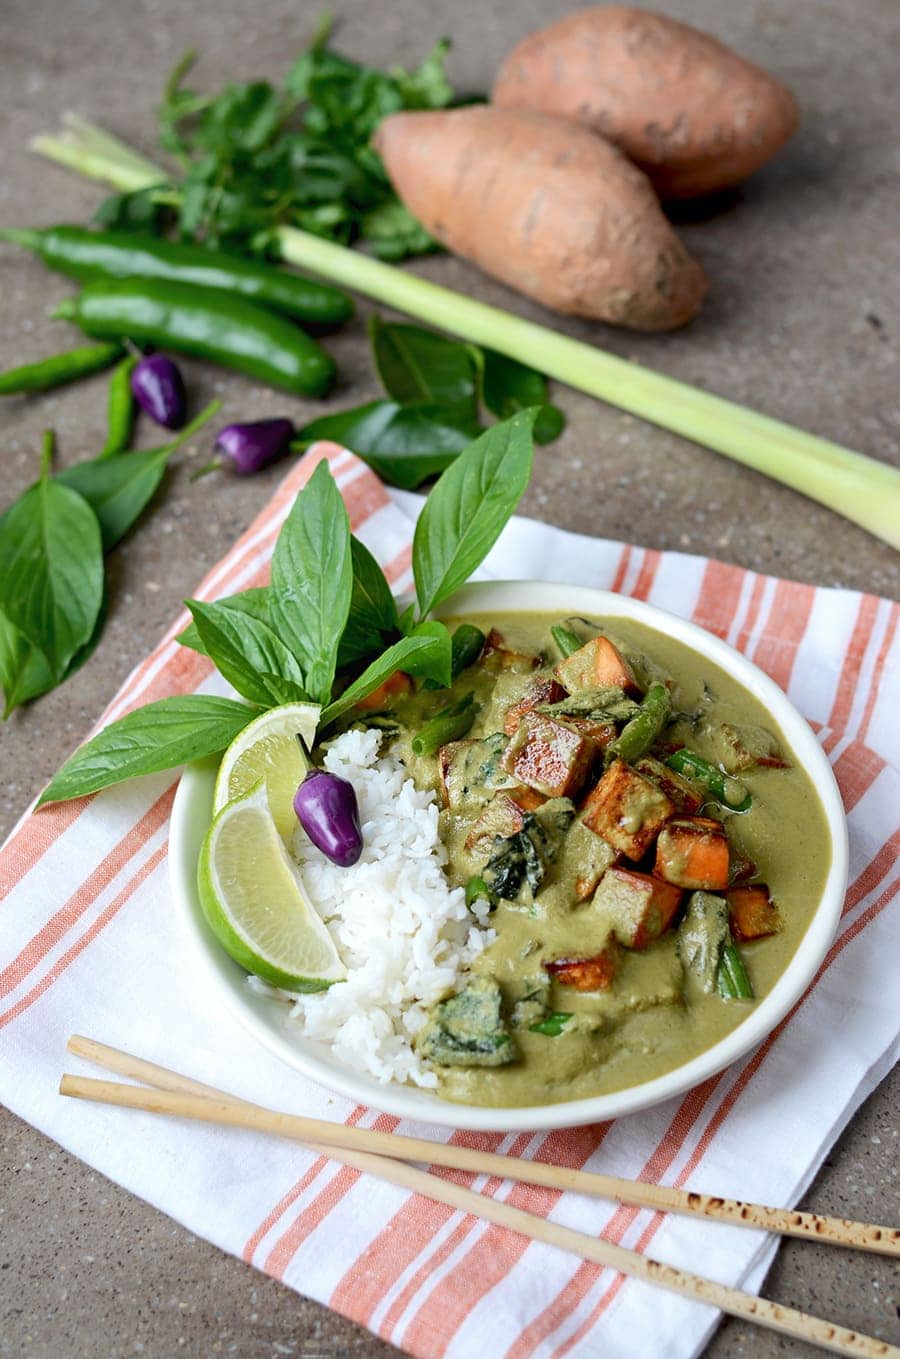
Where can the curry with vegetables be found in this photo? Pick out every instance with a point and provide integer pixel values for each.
(633, 831)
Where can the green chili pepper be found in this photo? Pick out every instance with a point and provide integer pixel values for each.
(731, 979)
(729, 792)
(567, 640)
(120, 409)
(448, 725)
(89, 255)
(466, 646)
(638, 735)
(552, 1025)
(209, 324)
(478, 890)
(60, 368)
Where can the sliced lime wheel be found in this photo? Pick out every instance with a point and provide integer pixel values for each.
(268, 749)
(255, 902)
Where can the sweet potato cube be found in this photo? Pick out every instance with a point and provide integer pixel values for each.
(395, 687)
(502, 816)
(754, 914)
(586, 974)
(685, 797)
(542, 689)
(449, 756)
(693, 852)
(548, 756)
(496, 655)
(639, 908)
(593, 666)
(627, 810)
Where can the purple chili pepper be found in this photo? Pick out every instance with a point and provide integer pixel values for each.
(247, 448)
(327, 810)
(158, 388)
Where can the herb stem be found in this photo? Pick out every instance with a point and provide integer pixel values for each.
(863, 489)
(48, 450)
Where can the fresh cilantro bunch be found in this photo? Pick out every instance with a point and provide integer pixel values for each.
(256, 156)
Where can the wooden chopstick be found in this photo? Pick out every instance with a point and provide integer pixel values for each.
(191, 1099)
(830, 1230)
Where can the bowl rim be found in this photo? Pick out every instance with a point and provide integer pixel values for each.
(255, 1012)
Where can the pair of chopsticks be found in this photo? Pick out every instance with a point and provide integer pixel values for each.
(386, 1155)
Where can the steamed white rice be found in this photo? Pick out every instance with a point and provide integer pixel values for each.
(403, 934)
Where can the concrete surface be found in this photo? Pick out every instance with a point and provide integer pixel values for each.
(802, 321)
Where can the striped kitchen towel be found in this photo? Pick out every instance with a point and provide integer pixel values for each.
(88, 943)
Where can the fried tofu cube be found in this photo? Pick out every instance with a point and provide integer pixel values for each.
(585, 858)
(549, 756)
(693, 852)
(627, 809)
(529, 799)
(470, 772)
(501, 817)
(496, 655)
(639, 908)
(593, 666)
(395, 687)
(740, 748)
(601, 733)
(586, 974)
(684, 795)
(542, 689)
(754, 914)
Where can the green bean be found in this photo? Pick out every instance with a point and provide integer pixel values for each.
(732, 979)
(638, 735)
(478, 890)
(59, 368)
(552, 1025)
(120, 409)
(567, 640)
(466, 646)
(729, 792)
(448, 725)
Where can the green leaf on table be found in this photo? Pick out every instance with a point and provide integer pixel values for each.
(469, 507)
(372, 621)
(509, 386)
(24, 671)
(426, 652)
(254, 602)
(392, 232)
(157, 736)
(312, 581)
(51, 570)
(405, 445)
(419, 367)
(249, 654)
(119, 489)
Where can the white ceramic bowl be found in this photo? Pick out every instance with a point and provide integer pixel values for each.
(266, 1017)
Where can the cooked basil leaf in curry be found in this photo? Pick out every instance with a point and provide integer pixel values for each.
(630, 825)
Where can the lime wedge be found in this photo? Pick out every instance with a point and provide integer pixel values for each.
(254, 901)
(268, 749)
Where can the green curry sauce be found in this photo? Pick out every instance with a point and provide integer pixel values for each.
(516, 1034)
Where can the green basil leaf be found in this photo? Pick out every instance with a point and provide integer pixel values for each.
(158, 736)
(24, 671)
(312, 581)
(393, 233)
(254, 602)
(424, 652)
(419, 367)
(372, 620)
(250, 655)
(404, 444)
(509, 386)
(51, 570)
(469, 507)
(119, 489)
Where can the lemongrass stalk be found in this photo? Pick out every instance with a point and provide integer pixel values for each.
(862, 489)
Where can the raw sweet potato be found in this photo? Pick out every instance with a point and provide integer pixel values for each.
(695, 116)
(547, 207)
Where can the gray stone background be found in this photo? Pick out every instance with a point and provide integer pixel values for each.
(801, 321)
